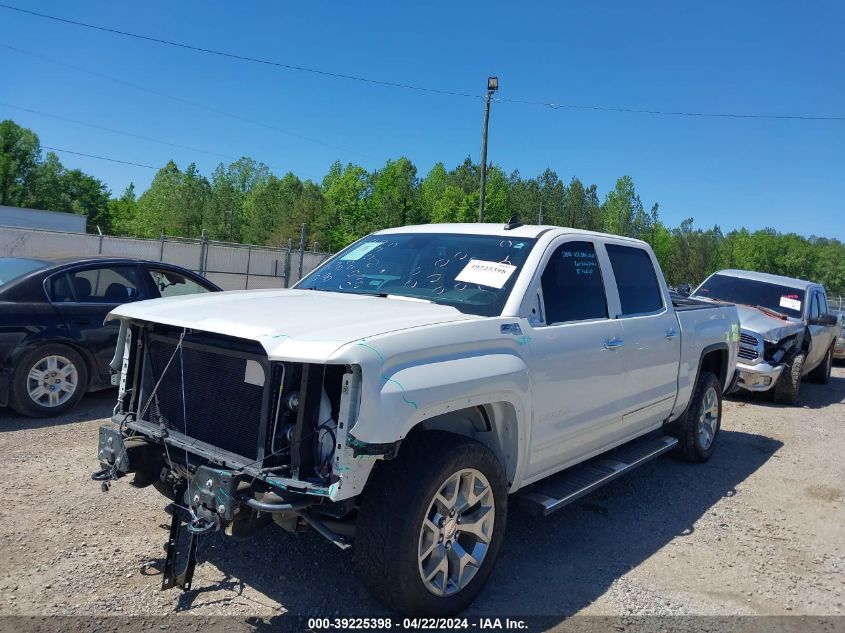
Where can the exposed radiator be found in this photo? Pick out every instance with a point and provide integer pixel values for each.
(223, 396)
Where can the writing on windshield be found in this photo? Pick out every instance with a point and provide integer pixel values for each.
(473, 273)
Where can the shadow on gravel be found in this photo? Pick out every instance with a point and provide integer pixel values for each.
(812, 396)
(553, 567)
(93, 406)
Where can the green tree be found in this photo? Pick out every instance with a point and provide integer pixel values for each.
(394, 193)
(122, 211)
(349, 213)
(20, 155)
(176, 203)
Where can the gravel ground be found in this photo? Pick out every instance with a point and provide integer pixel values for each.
(760, 529)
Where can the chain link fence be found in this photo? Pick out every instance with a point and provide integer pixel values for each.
(231, 266)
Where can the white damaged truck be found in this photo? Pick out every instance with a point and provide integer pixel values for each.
(400, 396)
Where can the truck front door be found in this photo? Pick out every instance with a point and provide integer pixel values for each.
(576, 363)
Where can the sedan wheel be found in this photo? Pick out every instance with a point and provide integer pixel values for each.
(48, 380)
(52, 381)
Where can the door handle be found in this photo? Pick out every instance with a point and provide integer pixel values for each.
(614, 343)
(670, 334)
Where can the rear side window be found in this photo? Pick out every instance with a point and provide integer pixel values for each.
(113, 284)
(639, 291)
(572, 284)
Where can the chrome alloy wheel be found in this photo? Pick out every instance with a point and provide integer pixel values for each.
(709, 419)
(52, 381)
(456, 532)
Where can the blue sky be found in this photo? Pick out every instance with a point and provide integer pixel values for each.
(750, 57)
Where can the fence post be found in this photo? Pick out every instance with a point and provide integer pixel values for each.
(203, 252)
(100, 247)
(161, 250)
(248, 259)
(287, 264)
(302, 234)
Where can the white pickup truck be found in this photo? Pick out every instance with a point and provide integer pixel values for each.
(399, 394)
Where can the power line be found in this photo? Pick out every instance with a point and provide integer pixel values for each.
(245, 58)
(111, 160)
(113, 131)
(727, 115)
(185, 101)
(392, 84)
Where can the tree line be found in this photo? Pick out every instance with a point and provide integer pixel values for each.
(245, 202)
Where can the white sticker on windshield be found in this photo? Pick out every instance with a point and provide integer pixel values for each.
(789, 302)
(486, 273)
(360, 251)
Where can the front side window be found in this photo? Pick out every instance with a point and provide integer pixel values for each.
(173, 284)
(815, 306)
(639, 291)
(109, 284)
(572, 284)
(472, 273)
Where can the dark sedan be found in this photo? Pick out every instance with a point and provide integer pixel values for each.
(53, 344)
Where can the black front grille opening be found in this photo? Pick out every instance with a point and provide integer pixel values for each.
(747, 354)
(206, 396)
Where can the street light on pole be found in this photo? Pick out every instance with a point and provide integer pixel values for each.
(492, 86)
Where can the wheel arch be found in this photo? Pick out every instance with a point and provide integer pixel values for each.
(494, 424)
(714, 358)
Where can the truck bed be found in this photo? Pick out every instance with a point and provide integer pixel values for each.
(683, 304)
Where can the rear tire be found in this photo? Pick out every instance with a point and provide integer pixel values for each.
(788, 387)
(48, 381)
(405, 527)
(698, 429)
(821, 374)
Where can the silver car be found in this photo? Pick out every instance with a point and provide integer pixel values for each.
(839, 347)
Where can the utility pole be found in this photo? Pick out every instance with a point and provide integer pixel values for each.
(540, 215)
(492, 86)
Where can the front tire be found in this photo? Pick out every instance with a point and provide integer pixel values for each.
(788, 387)
(431, 524)
(48, 380)
(698, 429)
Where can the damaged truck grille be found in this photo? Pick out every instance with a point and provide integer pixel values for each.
(216, 396)
(750, 347)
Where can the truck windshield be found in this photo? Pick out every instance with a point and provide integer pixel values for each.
(473, 273)
(783, 299)
(14, 267)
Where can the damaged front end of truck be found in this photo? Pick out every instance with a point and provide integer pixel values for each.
(763, 356)
(236, 441)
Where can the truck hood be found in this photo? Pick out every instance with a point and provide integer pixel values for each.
(306, 325)
(770, 328)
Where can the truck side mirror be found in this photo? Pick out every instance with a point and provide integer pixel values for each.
(826, 320)
(685, 290)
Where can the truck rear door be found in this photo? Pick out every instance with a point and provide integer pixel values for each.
(650, 335)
